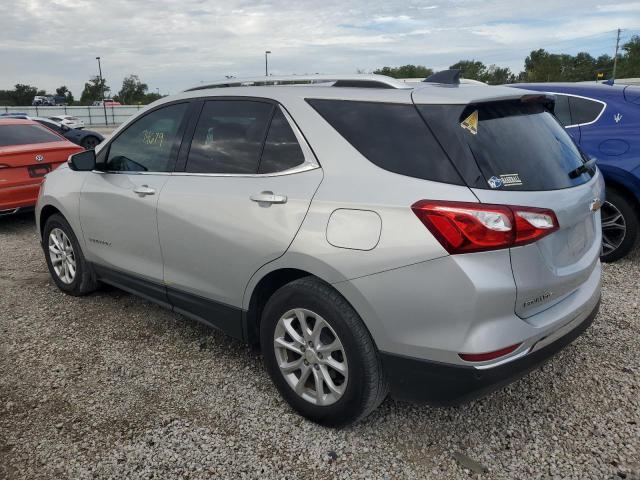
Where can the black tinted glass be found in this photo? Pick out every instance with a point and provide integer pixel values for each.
(148, 144)
(561, 110)
(583, 110)
(392, 136)
(281, 149)
(513, 145)
(25, 135)
(50, 125)
(229, 137)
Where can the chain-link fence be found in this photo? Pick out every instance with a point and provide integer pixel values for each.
(114, 115)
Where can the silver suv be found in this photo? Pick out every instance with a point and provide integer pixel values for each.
(433, 241)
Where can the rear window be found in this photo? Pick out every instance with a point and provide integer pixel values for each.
(392, 136)
(25, 135)
(507, 145)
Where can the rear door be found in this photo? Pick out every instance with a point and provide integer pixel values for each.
(518, 154)
(246, 184)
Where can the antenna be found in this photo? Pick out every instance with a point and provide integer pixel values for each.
(447, 77)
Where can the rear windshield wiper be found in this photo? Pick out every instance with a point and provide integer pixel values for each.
(586, 166)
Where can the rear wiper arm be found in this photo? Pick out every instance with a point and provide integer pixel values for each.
(586, 166)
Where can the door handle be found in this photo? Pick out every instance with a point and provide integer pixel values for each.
(268, 197)
(144, 190)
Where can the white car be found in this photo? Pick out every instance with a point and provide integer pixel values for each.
(69, 120)
(434, 242)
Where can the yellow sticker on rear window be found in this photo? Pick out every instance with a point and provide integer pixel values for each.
(471, 123)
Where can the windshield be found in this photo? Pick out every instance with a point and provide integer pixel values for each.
(507, 145)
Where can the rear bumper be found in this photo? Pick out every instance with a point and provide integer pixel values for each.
(438, 383)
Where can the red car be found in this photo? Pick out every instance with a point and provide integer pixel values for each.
(28, 151)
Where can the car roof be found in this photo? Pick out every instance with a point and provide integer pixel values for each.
(429, 93)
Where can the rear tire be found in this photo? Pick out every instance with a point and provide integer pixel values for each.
(620, 226)
(65, 260)
(343, 360)
(90, 142)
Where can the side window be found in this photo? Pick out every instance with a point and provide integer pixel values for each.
(148, 144)
(392, 136)
(584, 110)
(561, 109)
(281, 149)
(229, 137)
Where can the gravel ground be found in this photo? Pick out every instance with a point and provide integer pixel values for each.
(111, 386)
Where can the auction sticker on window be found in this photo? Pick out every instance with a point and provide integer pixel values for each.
(471, 123)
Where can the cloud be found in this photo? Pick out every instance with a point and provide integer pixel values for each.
(175, 44)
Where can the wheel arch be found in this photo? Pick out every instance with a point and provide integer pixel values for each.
(270, 278)
(45, 213)
(625, 190)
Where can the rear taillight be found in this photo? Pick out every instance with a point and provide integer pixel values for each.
(465, 227)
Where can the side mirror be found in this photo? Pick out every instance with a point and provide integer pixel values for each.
(83, 161)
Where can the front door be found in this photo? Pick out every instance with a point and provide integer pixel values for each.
(118, 202)
(247, 185)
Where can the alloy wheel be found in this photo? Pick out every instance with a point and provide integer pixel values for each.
(614, 228)
(311, 357)
(62, 256)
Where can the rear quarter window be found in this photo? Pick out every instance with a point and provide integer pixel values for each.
(584, 110)
(392, 136)
(25, 135)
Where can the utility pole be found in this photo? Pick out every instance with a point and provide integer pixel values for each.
(615, 57)
(106, 122)
(266, 63)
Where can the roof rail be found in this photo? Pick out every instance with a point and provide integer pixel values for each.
(355, 80)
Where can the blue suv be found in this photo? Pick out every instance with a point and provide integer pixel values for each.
(605, 121)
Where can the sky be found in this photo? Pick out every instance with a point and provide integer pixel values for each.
(176, 44)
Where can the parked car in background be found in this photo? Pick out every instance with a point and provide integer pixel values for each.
(87, 139)
(107, 103)
(60, 100)
(433, 242)
(28, 151)
(68, 120)
(605, 121)
(43, 100)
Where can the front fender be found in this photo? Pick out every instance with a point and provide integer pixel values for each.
(61, 190)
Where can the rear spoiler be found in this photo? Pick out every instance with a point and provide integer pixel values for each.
(546, 99)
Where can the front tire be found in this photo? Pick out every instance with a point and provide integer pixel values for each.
(320, 355)
(620, 226)
(67, 265)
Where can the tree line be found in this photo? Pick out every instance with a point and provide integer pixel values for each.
(540, 66)
(132, 92)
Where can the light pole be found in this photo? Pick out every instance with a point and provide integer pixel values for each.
(102, 90)
(158, 90)
(266, 63)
